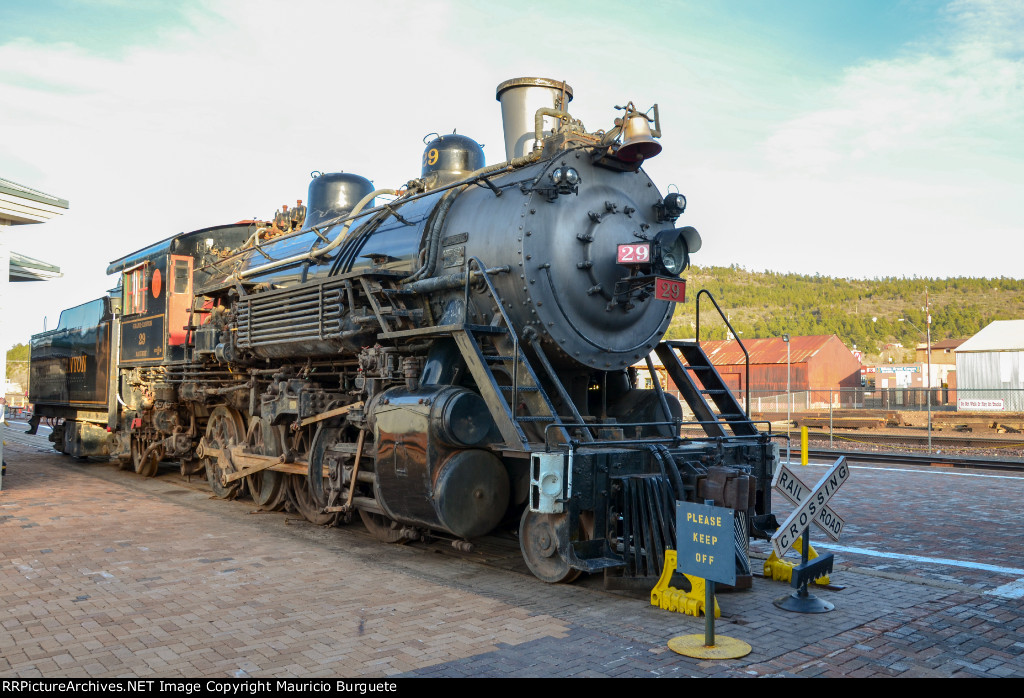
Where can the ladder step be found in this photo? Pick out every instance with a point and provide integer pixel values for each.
(499, 358)
(714, 392)
(521, 389)
(733, 415)
(535, 419)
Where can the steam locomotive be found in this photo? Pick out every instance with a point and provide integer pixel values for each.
(443, 360)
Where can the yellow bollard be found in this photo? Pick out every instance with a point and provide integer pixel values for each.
(803, 445)
(671, 599)
(782, 570)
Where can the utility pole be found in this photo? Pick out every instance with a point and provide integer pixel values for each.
(789, 400)
(928, 338)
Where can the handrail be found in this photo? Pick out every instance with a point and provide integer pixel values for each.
(704, 291)
(483, 272)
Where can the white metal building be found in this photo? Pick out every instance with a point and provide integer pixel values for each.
(990, 369)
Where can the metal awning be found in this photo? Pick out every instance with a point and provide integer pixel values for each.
(20, 204)
(25, 268)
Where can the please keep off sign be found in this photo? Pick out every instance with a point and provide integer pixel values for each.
(704, 541)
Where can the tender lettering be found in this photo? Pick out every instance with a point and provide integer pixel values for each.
(75, 364)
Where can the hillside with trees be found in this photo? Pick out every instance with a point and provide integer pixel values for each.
(864, 313)
(17, 364)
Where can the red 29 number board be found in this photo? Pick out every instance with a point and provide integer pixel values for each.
(670, 289)
(634, 254)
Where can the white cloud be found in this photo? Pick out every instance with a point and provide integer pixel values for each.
(946, 104)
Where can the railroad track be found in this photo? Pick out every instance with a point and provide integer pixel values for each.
(918, 440)
(933, 460)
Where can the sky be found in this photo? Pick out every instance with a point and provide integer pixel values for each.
(853, 138)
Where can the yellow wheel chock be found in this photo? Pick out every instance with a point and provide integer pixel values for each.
(782, 570)
(671, 599)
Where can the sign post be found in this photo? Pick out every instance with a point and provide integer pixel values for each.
(810, 508)
(706, 549)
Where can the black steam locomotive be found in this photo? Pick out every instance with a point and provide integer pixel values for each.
(445, 360)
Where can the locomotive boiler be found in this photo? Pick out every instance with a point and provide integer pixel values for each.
(449, 357)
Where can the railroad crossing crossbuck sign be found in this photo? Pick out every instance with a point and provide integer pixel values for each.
(796, 491)
(811, 508)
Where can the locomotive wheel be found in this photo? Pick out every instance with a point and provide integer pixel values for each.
(149, 466)
(224, 429)
(320, 487)
(305, 505)
(269, 489)
(382, 528)
(538, 539)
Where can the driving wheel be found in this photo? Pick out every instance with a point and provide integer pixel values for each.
(224, 429)
(269, 488)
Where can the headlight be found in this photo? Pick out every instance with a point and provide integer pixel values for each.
(565, 179)
(672, 249)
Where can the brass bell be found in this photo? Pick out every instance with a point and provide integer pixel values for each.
(637, 142)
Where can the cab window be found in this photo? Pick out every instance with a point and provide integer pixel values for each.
(181, 269)
(135, 291)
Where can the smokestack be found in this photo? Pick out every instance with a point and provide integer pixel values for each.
(520, 99)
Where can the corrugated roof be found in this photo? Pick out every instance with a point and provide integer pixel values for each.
(770, 350)
(1001, 335)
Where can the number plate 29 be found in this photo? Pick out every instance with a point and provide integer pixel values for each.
(634, 254)
(670, 289)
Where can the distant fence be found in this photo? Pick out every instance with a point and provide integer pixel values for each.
(969, 422)
(941, 400)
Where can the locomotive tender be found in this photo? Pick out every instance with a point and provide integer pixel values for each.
(445, 360)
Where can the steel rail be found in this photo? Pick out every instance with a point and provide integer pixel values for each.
(933, 460)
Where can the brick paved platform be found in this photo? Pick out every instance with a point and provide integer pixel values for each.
(104, 573)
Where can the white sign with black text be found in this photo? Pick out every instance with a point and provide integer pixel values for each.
(796, 491)
(811, 507)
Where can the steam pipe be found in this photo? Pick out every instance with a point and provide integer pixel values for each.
(538, 124)
(319, 252)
